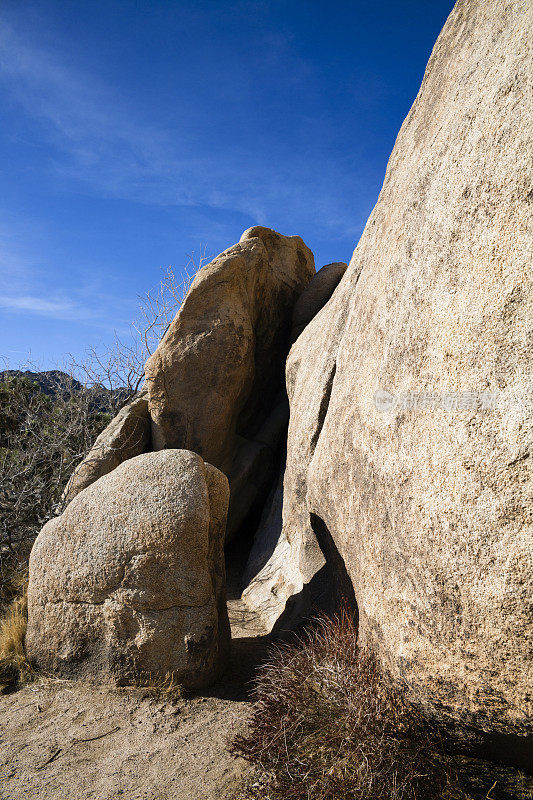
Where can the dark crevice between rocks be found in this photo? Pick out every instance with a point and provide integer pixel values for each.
(323, 409)
(329, 591)
(238, 550)
(492, 748)
(269, 530)
(339, 588)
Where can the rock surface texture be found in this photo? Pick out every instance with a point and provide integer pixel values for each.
(214, 381)
(126, 436)
(129, 583)
(227, 346)
(430, 507)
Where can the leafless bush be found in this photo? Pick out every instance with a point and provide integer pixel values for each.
(328, 725)
(158, 307)
(121, 364)
(47, 428)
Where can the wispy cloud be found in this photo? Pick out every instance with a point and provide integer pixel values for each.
(99, 140)
(38, 305)
(16, 265)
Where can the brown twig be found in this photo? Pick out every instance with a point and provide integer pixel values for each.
(94, 738)
(488, 796)
(52, 758)
(77, 741)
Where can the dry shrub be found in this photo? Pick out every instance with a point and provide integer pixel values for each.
(166, 687)
(328, 725)
(14, 667)
(13, 578)
(43, 436)
(49, 420)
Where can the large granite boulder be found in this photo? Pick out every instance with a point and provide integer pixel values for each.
(215, 378)
(128, 584)
(227, 346)
(411, 408)
(127, 435)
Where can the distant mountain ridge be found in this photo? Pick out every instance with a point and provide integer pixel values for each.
(49, 381)
(53, 382)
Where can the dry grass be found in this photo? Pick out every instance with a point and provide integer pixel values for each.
(328, 725)
(14, 667)
(166, 687)
(13, 577)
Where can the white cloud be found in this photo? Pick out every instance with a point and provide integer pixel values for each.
(38, 305)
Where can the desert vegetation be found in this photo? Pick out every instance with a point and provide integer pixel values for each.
(48, 422)
(329, 725)
(43, 435)
(14, 667)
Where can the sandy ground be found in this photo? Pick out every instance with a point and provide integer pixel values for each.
(61, 740)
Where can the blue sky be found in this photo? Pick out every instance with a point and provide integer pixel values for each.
(133, 133)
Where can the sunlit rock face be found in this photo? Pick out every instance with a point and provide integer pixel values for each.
(215, 379)
(430, 507)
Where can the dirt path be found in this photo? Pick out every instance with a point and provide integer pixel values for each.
(61, 740)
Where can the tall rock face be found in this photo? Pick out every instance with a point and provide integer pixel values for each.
(410, 403)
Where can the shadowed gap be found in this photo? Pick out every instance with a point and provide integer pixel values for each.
(324, 405)
(326, 593)
(340, 591)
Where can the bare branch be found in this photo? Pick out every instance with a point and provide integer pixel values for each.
(45, 431)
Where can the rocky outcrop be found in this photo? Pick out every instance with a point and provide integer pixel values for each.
(315, 295)
(126, 436)
(121, 584)
(407, 482)
(227, 346)
(215, 378)
(129, 583)
(429, 505)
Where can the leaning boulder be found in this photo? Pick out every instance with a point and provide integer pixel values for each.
(315, 295)
(227, 346)
(215, 379)
(126, 436)
(128, 584)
